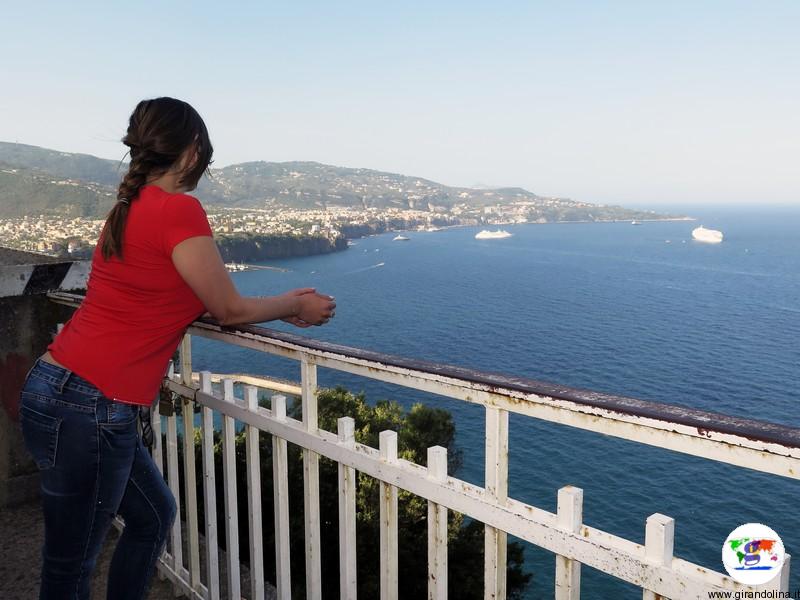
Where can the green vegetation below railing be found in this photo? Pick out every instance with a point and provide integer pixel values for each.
(418, 428)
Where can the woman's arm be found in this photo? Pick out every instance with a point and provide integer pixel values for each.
(199, 263)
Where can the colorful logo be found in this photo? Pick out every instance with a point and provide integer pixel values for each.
(753, 554)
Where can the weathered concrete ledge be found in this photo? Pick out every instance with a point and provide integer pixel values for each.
(28, 321)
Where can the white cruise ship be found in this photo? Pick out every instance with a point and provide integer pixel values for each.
(492, 235)
(709, 236)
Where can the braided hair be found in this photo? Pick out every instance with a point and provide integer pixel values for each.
(159, 132)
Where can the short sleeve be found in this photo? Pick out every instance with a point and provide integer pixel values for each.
(183, 218)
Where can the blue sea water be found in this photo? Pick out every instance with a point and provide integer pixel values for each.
(638, 311)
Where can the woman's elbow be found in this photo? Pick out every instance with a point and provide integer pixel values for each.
(229, 315)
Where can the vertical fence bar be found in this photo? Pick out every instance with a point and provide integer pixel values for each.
(495, 540)
(254, 500)
(570, 518)
(158, 451)
(437, 529)
(308, 377)
(231, 506)
(659, 543)
(280, 478)
(158, 459)
(210, 493)
(173, 479)
(347, 516)
(388, 521)
(189, 472)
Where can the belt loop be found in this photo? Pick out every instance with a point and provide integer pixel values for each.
(64, 379)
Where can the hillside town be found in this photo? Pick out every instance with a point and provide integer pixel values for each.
(56, 203)
(64, 236)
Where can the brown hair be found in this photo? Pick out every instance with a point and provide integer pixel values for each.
(159, 132)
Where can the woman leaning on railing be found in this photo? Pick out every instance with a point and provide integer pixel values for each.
(155, 269)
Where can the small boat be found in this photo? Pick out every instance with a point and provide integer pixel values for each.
(635, 223)
(492, 235)
(400, 238)
(709, 236)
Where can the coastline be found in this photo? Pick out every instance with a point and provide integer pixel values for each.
(255, 248)
(587, 221)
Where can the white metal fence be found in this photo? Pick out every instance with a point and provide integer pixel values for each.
(765, 447)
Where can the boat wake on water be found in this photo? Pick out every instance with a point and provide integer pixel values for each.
(369, 268)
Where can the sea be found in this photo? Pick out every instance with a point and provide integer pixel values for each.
(641, 311)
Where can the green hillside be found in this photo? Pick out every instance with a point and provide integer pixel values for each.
(315, 185)
(32, 192)
(65, 165)
(37, 180)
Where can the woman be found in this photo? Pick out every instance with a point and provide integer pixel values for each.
(155, 270)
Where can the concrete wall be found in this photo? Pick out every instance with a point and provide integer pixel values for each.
(28, 322)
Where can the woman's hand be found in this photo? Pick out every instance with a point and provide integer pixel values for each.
(313, 308)
(293, 320)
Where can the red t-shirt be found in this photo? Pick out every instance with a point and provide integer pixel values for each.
(136, 309)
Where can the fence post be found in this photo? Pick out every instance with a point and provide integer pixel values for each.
(437, 529)
(659, 543)
(347, 516)
(308, 382)
(388, 520)
(173, 479)
(495, 540)
(210, 493)
(254, 499)
(570, 518)
(189, 467)
(280, 479)
(231, 496)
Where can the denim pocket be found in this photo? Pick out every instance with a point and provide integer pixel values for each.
(40, 433)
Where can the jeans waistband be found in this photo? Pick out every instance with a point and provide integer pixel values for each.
(62, 378)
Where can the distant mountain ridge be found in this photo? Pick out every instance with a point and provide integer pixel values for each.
(36, 180)
(316, 185)
(83, 167)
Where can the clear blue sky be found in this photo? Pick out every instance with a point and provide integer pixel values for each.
(618, 102)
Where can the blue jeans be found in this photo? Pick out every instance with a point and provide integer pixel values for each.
(93, 466)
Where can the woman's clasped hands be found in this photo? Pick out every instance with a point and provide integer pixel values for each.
(313, 308)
